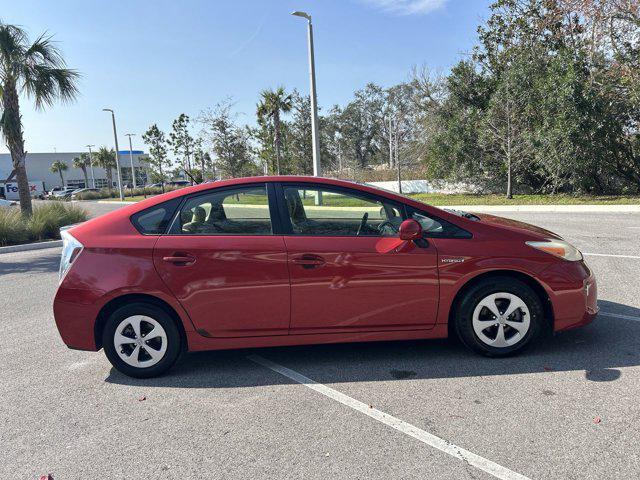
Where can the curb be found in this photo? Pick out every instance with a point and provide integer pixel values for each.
(117, 202)
(31, 246)
(624, 208)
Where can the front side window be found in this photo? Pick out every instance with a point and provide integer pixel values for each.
(436, 227)
(327, 212)
(238, 211)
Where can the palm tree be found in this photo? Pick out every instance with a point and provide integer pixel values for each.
(106, 159)
(35, 70)
(272, 104)
(58, 167)
(81, 162)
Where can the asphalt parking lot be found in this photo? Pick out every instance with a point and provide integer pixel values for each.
(566, 408)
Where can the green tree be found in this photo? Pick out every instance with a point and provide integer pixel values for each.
(36, 70)
(272, 105)
(300, 136)
(182, 143)
(158, 161)
(229, 142)
(82, 162)
(106, 159)
(58, 167)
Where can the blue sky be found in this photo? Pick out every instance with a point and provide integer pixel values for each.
(152, 60)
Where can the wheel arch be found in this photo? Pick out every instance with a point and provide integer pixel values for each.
(528, 280)
(117, 302)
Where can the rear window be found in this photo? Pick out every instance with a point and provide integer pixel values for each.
(155, 220)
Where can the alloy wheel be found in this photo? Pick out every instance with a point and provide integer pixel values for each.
(501, 319)
(140, 341)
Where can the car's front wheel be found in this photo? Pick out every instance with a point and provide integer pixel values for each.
(499, 316)
(141, 340)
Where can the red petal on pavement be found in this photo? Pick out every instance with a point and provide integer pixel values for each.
(597, 420)
(142, 398)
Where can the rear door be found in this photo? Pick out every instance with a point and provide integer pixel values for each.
(349, 270)
(225, 265)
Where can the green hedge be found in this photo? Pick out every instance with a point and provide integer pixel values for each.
(44, 224)
(135, 192)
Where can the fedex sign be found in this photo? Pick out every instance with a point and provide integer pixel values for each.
(11, 190)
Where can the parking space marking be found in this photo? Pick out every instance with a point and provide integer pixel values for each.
(427, 438)
(619, 315)
(610, 255)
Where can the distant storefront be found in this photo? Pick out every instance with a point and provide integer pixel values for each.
(39, 170)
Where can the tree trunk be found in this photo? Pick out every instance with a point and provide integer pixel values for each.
(509, 185)
(109, 179)
(86, 178)
(12, 127)
(61, 178)
(276, 139)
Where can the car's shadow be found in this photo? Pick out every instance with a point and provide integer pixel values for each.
(599, 351)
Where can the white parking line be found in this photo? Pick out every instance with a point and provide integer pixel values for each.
(471, 458)
(610, 255)
(619, 315)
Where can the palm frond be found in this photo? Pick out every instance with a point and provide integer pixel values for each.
(44, 52)
(47, 84)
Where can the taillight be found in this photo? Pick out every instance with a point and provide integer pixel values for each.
(71, 248)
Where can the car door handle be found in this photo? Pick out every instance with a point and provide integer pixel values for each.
(180, 259)
(309, 261)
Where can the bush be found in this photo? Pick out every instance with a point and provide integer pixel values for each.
(44, 224)
(138, 192)
(12, 227)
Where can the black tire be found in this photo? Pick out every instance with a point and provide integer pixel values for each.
(173, 347)
(463, 316)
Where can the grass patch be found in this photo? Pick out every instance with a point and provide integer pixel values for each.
(44, 224)
(469, 199)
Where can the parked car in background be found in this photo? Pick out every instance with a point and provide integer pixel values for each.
(178, 183)
(62, 193)
(283, 260)
(7, 203)
(82, 190)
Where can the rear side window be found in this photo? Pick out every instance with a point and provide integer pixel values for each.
(155, 220)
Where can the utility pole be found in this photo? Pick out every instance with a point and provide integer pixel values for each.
(133, 170)
(115, 138)
(93, 177)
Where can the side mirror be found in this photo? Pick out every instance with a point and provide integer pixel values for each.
(410, 230)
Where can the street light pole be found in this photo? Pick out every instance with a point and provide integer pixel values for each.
(93, 177)
(133, 170)
(115, 138)
(315, 138)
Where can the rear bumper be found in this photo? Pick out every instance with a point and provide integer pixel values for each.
(75, 324)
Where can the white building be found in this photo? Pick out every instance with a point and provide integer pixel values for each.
(39, 169)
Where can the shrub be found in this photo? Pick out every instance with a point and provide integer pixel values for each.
(44, 224)
(12, 227)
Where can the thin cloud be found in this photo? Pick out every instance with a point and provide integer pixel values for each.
(407, 7)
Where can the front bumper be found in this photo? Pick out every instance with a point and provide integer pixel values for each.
(581, 307)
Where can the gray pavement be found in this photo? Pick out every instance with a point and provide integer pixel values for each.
(220, 415)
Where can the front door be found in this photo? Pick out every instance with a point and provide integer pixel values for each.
(349, 270)
(225, 266)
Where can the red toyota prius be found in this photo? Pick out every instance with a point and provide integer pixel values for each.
(272, 261)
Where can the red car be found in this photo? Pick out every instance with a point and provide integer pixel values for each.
(270, 261)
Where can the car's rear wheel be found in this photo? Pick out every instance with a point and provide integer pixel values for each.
(499, 316)
(141, 340)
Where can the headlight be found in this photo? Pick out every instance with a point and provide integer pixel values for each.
(558, 248)
(71, 248)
